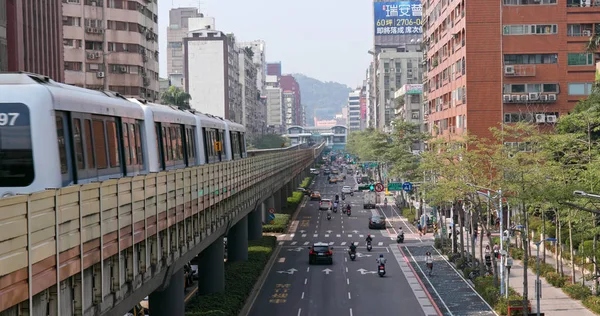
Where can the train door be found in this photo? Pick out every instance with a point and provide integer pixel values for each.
(82, 150)
(64, 148)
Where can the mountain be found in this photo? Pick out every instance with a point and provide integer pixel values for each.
(323, 99)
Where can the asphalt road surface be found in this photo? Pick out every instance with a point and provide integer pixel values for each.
(293, 287)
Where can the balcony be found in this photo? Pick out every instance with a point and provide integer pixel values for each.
(582, 3)
(519, 71)
(529, 98)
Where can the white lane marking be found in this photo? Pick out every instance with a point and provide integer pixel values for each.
(326, 235)
(281, 243)
(282, 260)
(361, 236)
(380, 243)
(316, 235)
(338, 235)
(350, 311)
(342, 226)
(303, 235)
(305, 280)
(331, 243)
(349, 297)
(306, 243)
(307, 269)
(345, 259)
(299, 311)
(346, 269)
(347, 281)
(342, 231)
(302, 296)
(292, 235)
(343, 243)
(349, 235)
(295, 242)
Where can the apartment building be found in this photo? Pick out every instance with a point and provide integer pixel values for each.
(289, 103)
(212, 73)
(176, 31)
(274, 69)
(31, 37)
(258, 48)
(534, 70)
(275, 106)
(353, 122)
(254, 110)
(289, 83)
(112, 45)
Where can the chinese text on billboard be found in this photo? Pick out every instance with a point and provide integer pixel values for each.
(398, 18)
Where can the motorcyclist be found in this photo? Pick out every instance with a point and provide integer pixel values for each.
(400, 231)
(352, 248)
(335, 204)
(337, 198)
(381, 260)
(329, 212)
(369, 238)
(348, 207)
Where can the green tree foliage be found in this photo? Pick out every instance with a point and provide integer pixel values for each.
(270, 141)
(177, 97)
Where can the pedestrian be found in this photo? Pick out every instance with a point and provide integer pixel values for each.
(429, 262)
(419, 229)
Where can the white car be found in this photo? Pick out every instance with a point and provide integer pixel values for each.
(346, 189)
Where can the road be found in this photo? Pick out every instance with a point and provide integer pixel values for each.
(293, 287)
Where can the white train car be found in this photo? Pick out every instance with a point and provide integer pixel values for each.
(236, 138)
(171, 140)
(211, 130)
(53, 135)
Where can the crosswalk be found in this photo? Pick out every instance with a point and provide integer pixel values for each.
(331, 243)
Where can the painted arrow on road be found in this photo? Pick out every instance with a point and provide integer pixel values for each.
(289, 271)
(355, 231)
(329, 231)
(327, 271)
(363, 271)
(360, 255)
(296, 249)
(302, 231)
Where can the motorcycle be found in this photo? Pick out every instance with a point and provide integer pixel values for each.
(352, 255)
(349, 212)
(335, 209)
(400, 238)
(344, 210)
(328, 216)
(369, 247)
(352, 193)
(381, 270)
(343, 197)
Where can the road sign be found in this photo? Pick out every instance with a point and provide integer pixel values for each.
(271, 217)
(407, 186)
(327, 271)
(394, 186)
(272, 210)
(379, 187)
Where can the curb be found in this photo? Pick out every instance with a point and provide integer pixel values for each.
(437, 309)
(263, 276)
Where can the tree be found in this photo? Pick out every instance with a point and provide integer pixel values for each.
(177, 97)
(270, 141)
(248, 51)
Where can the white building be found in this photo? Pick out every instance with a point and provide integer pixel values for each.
(176, 31)
(412, 108)
(275, 107)
(212, 73)
(353, 106)
(259, 59)
(254, 110)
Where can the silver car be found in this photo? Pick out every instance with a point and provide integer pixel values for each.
(346, 189)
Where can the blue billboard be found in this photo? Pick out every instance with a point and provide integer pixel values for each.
(398, 18)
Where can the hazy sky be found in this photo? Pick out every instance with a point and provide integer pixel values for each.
(327, 40)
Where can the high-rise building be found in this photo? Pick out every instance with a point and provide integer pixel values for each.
(353, 123)
(410, 109)
(363, 106)
(112, 45)
(289, 83)
(289, 102)
(274, 69)
(259, 58)
(31, 37)
(3, 40)
(253, 117)
(534, 70)
(212, 73)
(275, 107)
(177, 30)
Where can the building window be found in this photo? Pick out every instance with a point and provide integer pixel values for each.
(73, 66)
(531, 88)
(71, 1)
(577, 59)
(580, 29)
(175, 45)
(72, 43)
(583, 88)
(415, 114)
(89, 45)
(94, 67)
(71, 21)
(529, 29)
(528, 2)
(521, 59)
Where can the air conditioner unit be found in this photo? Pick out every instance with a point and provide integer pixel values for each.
(586, 33)
(524, 97)
(91, 56)
(100, 31)
(552, 97)
(551, 118)
(540, 118)
(534, 96)
(515, 98)
(100, 74)
(543, 97)
(123, 69)
(89, 30)
(97, 54)
(586, 3)
(506, 98)
(509, 70)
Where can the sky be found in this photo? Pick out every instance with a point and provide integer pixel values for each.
(324, 39)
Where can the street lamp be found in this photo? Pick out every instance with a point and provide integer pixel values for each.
(538, 283)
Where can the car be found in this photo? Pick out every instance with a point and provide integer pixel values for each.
(327, 171)
(376, 221)
(315, 196)
(325, 204)
(320, 252)
(333, 180)
(346, 189)
(335, 171)
(303, 190)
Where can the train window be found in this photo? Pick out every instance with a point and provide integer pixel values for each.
(78, 141)
(138, 144)
(113, 143)
(62, 147)
(166, 145)
(158, 143)
(132, 145)
(100, 144)
(16, 155)
(126, 146)
(91, 160)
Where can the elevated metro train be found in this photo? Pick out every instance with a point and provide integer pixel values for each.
(54, 135)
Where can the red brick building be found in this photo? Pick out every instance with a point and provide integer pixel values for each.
(492, 61)
(289, 83)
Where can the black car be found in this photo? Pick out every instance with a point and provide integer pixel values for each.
(327, 171)
(320, 252)
(376, 221)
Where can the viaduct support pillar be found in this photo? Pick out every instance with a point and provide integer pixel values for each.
(211, 278)
(255, 223)
(170, 300)
(237, 241)
(277, 201)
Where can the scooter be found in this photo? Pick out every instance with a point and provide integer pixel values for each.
(335, 209)
(369, 247)
(352, 255)
(344, 210)
(343, 197)
(349, 213)
(328, 216)
(381, 270)
(400, 238)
